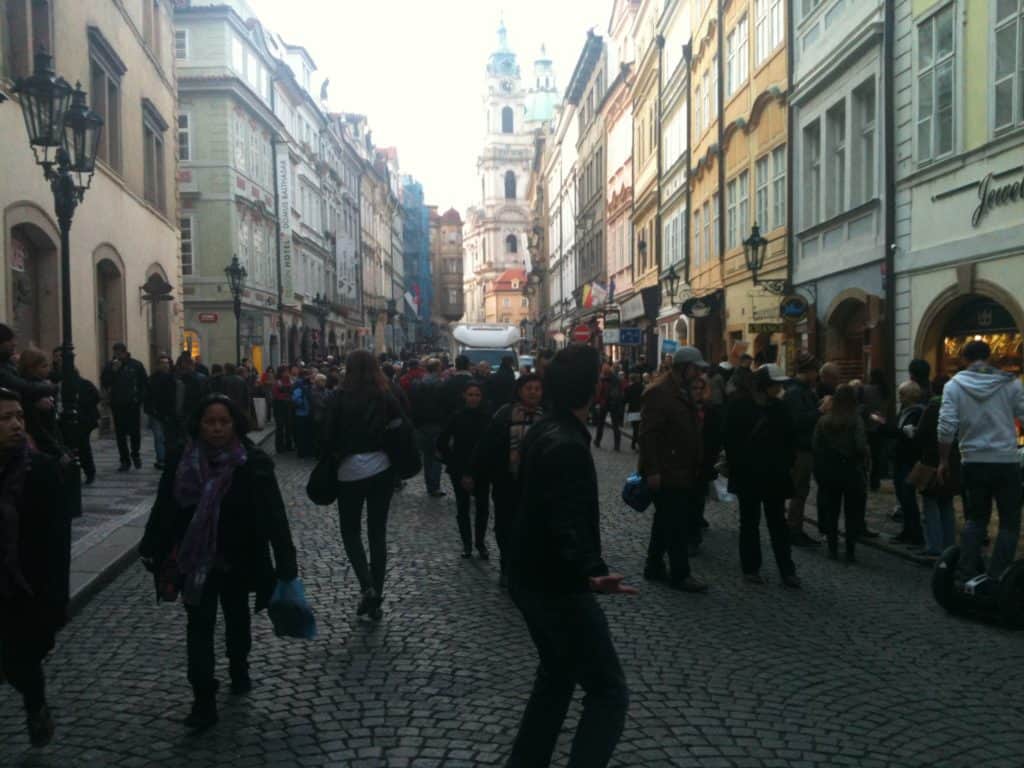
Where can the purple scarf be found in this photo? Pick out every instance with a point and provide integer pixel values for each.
(12, 481)
(202, 480)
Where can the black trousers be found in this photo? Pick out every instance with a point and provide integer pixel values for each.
(22, 659)
(463, 501)
(751, 505)
(127, 427)
(575, 648)
(233, 596)
(602, 415)
(845, 495)
(303, 436)
(376, 492)
(674, 513)
(85, 457)
(505, 494)
(282, 426)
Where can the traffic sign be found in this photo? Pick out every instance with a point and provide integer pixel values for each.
(610, 335)
(581, 333)
(631, 337)
(669, 346)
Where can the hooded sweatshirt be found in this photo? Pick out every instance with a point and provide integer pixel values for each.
(978, 408)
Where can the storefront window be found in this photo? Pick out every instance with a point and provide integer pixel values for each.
(982, 319)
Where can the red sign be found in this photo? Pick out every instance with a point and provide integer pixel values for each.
(581, 333)
(207, 317)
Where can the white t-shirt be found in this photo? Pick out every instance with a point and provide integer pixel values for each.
(360, 466)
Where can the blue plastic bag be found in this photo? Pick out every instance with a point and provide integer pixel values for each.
(636, 493)
(290, 613)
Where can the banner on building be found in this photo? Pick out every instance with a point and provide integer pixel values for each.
(594, 294)
(284, 214)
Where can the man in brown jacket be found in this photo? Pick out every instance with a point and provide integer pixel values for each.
(671, 445)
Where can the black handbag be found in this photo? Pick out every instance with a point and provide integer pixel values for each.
(401, 448)
(322, 486)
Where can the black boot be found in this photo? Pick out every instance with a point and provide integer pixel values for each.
(204, 710)
(40, 727)
(240, 680)
(833, 547)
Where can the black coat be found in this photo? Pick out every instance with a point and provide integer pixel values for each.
(556, 539)
(356, 424)
(126, 382)
(760, 445)
(253, 521)
(803, 406)
(458, 440)
(451, 393)
(500, 388)
(9, 379)
(425, 396)
(42, 426)
(163, 397)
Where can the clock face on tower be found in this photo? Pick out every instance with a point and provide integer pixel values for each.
(506, 85)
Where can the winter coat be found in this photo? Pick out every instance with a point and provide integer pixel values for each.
(803, 405)
(163, 397)
(634, 397)
(979, 406)
(425, 397)
(760, 446)
(671, 443)
(927, 438)
(252, 522)
(451, 393)
(493, 451)
(357, 424)
(610, 393)
(841, 451)
(907, 450)
(300, 399)
(125, 382)
(459, 439)
(10, 379)
(500, 388)
(42, 426)
(234, 387)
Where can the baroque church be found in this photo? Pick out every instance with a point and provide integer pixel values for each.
(497, 227)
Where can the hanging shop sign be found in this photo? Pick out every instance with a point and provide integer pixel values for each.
(765, 328)
(701, 307)
(630, 337)
(793, 308)
(992, 196)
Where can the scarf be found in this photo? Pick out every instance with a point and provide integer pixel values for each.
(202, 480)
(12, 482)
(519, 421)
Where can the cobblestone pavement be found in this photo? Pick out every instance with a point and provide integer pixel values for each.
(860, 668)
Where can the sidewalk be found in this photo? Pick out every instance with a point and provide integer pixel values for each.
(114, 513)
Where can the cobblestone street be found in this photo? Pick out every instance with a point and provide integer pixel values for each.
(860, 668)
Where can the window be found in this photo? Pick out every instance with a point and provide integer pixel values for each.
(761, 194)
(935, 61)
(730, 215)
(181, 44)
(744, 205)
(1008, 97)
(708, 98)
(768, 29)
(28, 25)
(525, 303)
(151, 25)
(510, 185)
(835, 126)
(737, 57)
(511, 244)
(707, 232)
(506, 302)
(778, 187)
(698, 113)
(188, 252)
(808, 6)
(862, 166)
(716, 207)
(453, 266)
(696, 257)
(812, 174)
(184, 136)
(453, 297)
(105, 71)
(154, 184)
(507, 120)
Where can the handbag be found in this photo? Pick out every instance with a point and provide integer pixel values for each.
(322, 486)
(290, 613)
(635, 492)
(401, 448)
(921, 476)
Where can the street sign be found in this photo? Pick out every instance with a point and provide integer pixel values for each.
(631, 337)
(610, 336)
(765, 328)
(207, 317)
(669, 346)
(581, 333)
(793, 308)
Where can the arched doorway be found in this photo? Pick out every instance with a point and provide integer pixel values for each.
(986, 316)
(34, 287)
(847, 335)
(110, 302)
(158, 313)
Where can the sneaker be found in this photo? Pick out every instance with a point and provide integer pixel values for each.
(366, 602)
(203, 714)
(753, 578)
(792, 581)
(40, 727)
(689, 584)
(655, 573)
(125, 466)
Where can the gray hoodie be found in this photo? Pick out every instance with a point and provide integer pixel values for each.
(978, 408)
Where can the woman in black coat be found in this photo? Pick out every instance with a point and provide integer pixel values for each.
(217, 514)
(760, 447)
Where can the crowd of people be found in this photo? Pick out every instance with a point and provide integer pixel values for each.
(517, 441)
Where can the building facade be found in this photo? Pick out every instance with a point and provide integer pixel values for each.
(504, 299)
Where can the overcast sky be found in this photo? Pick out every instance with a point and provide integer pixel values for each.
(416, 68)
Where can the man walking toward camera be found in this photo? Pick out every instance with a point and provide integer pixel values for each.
(554, 570)
(124, 380)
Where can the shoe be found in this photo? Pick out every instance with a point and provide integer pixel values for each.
(801, 539)
(916, 541)
(203, 714)
(376, 613)
(369, 595)
(125, 466)
(483, 553)
(753, 578)
(90, 478)
(869, 534)
(704, 524)
(597, 444)
(241, 683)
(792, 581)
(137, 461)
(158, 465)
(40, 727)
(467, 554)
(655, 573)
(833, 553)
(436, 494)
(850, 557)
(689, 584)
(900, 538)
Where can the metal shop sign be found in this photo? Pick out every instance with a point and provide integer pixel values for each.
(793, 308)
(765, 328)
(631, 337)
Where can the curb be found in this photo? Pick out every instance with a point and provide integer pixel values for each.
(122, 560)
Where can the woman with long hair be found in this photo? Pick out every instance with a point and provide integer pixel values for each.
(217, 514)
(841, 459)
(359, 417)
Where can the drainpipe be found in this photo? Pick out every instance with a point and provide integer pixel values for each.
(660, 42)
(889, 44)
(720, 97)
(277, 229)
(687, 56)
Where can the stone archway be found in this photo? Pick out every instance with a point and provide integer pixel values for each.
(110, 302)
(33, 283)
(158, 320)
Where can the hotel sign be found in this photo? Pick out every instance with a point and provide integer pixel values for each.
(991, 195)
(284, 214)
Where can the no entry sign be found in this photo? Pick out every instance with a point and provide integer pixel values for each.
(581, 333)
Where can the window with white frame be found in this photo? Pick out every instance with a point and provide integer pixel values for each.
(744, 205)
(698, 113)
(184, 136)
(1008, 95)
(731, 199)
(708, 97)
(708, 235)
(812, 174)
(181, 44)
(737, 57)
(187, 227)
(716, 252)
(761, 193)
(768, 29)
(807, 7)
(835, 142)
(935, 77)
(862, 166)
(696, 256)
(778, 187)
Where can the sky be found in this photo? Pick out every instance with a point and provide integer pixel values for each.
(415, 68)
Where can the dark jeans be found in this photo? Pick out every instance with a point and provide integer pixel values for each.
(85, 457)
(602, 414)
(505, 494)
(877, 443)
(846, 496)
(906, 494)
(376, 491)
(22, 661)
(233, 596)
(751, 505)
(674, 510)
(282, 428)
(463, 499)
(427, 435)
(303, 436)
(983, 484)
(575, 648)
(127, 426)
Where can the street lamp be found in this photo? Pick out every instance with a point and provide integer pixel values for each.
(236, 282)
(64, 135)
(321, 309)
(670, 284)
(755, 248)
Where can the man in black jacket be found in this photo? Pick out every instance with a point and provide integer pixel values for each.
(804, 410)
(556, 567)
(124, 380)
(500, 387)
(428, 417)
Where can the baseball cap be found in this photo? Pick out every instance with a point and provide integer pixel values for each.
(773, 372)
(690, 355)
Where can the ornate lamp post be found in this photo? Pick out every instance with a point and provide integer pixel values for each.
(670, 284)
(64, 136)
(236, 275)
(321, 308)
(755, 248)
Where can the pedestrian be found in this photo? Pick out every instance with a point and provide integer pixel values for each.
(267, 385)
(611, 403)
(499, 453)
(556, 567)
(88, 414)
(841, 457)
(425, 397)
(980, 406)
(282, 396)
(359, 417)
(453, 387)
(413, 373)
(920, 372)
(710, 419)
(9, 378)
(302, 415)
(41, 412)
(906, 452)
(161, 408)
(671, 455)
(937, 495)
(319, 399)
(457, 444)
(35, 556)
(190, 392)
(873, 402)
(500, 387)
(124, 381)
(217, 514)
(760, 447)
(805, 408)
(634, 403)
(227, 380)
(829, 378)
